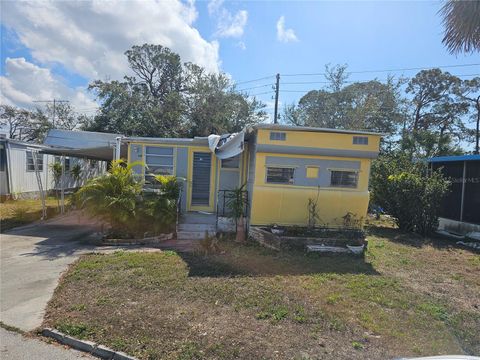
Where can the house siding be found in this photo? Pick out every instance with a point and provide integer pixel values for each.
(286, 204)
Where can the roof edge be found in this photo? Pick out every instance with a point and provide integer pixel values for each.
(313, 129)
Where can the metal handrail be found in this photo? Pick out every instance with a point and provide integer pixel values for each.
(228, 194)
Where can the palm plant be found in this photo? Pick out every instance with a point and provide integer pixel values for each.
(57, 170)
(462, 26)
(113, 197)
(237, 205)
(76, 172)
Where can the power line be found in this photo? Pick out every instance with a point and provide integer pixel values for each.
(353, 81)
(263, 93)
(254, 80)
(255, 87)
(386, 70)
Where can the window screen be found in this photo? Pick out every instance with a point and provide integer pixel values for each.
(280, 175)
(342, 178)
(158, 160)
(281, 136)
(231, 163)
(30, 164)
(360, 140)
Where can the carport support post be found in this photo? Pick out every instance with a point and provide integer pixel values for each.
(463, 189)
(118, 146)
(62, 182)
(39, 182)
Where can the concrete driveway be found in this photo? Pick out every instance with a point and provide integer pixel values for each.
(32, 259)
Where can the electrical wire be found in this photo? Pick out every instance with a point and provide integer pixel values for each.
(386, 70)
(254, 80)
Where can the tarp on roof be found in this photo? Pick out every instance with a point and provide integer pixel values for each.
(227, 146)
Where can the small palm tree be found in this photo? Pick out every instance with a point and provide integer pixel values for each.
(57, 170)
(462, 26)
(237, 203)
(113, 196)
(76, 172)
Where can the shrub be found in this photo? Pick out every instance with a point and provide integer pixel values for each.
(410, 192)
(118, 199)
(113, 196)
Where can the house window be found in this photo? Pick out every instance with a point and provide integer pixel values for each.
(231, 163)
(280, 175)
(31, 165)
(312, 172)
(158, 160)
(342, 178)
(58, 159)
(279, 136)
(360, 140)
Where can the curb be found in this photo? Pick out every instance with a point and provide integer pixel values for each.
(90, 347)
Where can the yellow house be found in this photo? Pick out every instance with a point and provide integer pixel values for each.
(282, 167)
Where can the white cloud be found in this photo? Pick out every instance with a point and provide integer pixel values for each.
(25, 83)
(228, 24)
(214, 5)
(90, 37)
(285, 35)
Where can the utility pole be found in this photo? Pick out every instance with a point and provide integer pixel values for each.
(55, 102)
(477, 134)
(277, 88)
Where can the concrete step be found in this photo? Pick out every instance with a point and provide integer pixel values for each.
(197, 218)
(197, 227)
(193, 235)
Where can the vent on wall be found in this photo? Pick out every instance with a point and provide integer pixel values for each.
(280, 136)
(360, 140)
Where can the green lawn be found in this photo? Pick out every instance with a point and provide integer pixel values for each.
(15, 213)
(407, 297)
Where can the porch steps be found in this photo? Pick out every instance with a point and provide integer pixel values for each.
(193, 226)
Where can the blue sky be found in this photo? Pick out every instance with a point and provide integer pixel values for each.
(70, 44)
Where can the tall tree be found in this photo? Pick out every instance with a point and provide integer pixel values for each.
(23, 124)
(371, 105)
(166, 98)
(436, 123)
(16, 120)
(462, 25)
(469, 90)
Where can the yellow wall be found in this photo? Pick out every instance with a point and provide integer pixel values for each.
(320, 140)
(287, 204)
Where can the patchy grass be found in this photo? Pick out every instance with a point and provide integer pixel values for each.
(249, 302)
(15, 213)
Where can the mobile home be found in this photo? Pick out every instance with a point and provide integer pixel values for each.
(18, 177)
(281, 166)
